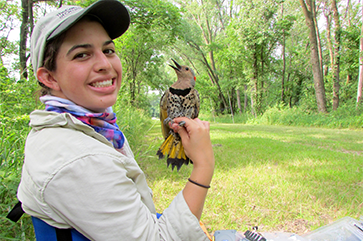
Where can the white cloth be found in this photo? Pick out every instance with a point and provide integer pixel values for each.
(73, 178)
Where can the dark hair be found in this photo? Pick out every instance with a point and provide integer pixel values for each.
(50, 55)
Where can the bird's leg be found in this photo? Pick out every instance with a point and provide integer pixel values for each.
(182, 123)
(168, 120)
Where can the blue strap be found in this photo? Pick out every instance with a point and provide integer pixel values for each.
(45, 232)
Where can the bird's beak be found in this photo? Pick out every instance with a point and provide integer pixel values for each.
(177, 66)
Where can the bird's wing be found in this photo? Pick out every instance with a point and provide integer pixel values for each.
(191, 104)
(197, 104)
(164, 114)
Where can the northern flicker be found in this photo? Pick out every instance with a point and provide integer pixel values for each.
(181, 99)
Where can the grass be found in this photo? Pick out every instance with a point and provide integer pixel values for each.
(280, 178)
(292, 179)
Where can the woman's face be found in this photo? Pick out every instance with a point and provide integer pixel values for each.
(88, 70)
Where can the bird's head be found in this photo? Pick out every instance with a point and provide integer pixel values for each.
(184, 73)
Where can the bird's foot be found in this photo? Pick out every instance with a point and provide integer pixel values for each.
(182, 123)
(168, 120)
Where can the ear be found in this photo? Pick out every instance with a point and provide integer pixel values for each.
(46, 77)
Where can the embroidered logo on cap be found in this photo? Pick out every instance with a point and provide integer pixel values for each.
(68, 11)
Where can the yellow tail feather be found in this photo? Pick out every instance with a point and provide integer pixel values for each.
(165, 147)
(173, 148)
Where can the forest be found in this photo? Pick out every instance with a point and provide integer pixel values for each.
(289, 62)
(249, 56)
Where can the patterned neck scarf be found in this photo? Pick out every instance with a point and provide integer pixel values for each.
(102, 123)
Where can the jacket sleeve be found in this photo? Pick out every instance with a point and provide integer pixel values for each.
(100, 196)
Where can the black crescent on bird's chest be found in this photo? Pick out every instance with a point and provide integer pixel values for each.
(183, 103)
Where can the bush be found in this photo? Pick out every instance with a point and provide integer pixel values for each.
(17, 101)
(346, 116)
(134, 123)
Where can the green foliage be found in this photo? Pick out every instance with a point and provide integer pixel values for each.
(9, 11)
(153, 29)
(346, 116)
(235, 34)
(134, 123)
(17, 101)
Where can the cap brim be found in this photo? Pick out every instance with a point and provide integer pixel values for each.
(113, 15)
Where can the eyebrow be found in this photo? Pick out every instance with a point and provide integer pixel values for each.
(88, 46)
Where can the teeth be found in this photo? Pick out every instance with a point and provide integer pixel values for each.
(102, 84)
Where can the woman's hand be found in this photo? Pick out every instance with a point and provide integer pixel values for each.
(198, 147)
(196, 140)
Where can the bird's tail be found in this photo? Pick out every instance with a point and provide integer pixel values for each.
(173, 147)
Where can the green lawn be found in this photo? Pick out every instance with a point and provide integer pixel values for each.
(291, 179)
(279, 178)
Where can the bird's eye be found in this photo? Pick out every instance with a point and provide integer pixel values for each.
(186, 68)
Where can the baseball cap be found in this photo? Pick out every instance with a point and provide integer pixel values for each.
(113, 15)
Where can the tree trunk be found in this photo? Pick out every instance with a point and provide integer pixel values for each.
(209, 38)
(320, 51)
(317, 71)
(336, 66)
(246, 100)
(230, 106)
(24, 29)
(283, 70)
(262, 82)
(253, 112)
(328, 38)
(211, 73)
(133, 87)
(349, 78)
(283, 59)
(360, 80)
(347, 12)
(239, 101)
(254, 95)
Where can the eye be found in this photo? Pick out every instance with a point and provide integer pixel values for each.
(109, 51)
(80, 56)
(186, 68)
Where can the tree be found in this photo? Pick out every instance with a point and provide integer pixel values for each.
(360, 81)
(253, 55)
(336, 55)
(7, 22)
(154, 27)
(283, 58)
(308, 7)
(26, 5)
(26, 28)
(210, 22)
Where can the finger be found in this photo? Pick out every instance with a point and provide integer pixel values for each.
(176, 125)
(206, 124)
(182, 131)
(180, 119)
(180, 122)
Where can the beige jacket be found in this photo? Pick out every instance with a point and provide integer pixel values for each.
(73, 177)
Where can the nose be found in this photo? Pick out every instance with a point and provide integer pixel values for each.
(102, 63)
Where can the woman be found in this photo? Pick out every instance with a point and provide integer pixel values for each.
(79, 172)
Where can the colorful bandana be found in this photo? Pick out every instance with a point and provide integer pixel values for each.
(103, 123)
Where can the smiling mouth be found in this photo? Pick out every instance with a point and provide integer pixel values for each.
(101, 84)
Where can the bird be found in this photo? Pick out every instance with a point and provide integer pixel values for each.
(180, 99)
